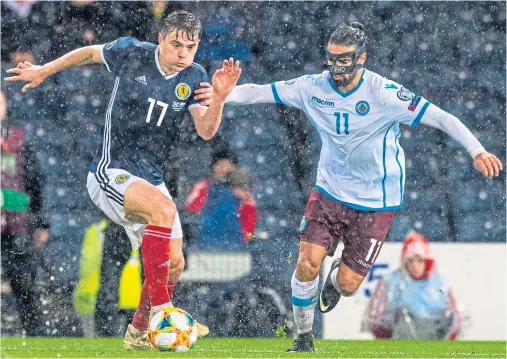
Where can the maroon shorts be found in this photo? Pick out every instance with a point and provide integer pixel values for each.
(364, 232)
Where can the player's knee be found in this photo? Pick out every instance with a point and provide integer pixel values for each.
(164, 214)
(307, 269)
(348, 288)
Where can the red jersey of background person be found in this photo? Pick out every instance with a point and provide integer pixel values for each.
(247, 211)
(225, 170)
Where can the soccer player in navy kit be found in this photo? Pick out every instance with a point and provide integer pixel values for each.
(152, 89)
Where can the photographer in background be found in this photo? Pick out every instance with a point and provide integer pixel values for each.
(414, 302)
(224, 203)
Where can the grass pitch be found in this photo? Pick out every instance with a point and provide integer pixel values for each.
(16, 347)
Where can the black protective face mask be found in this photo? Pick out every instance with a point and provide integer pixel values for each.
(336, 67)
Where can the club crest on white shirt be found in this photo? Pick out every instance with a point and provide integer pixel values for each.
(362, 108)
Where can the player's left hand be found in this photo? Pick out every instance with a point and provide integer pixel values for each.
(27, 72)
(226, 78)
(488, 164)
(204, 93)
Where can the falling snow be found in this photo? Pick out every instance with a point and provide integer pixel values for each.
(451, 53)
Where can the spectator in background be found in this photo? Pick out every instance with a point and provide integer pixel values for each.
(414, 302)
(75, 25)
(224, 203)
(110, 319)
(24, 228)
(16, 20)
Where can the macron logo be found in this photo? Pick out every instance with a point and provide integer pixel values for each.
(324, 103)
(141, 79)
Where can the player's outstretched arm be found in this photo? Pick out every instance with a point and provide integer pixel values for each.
(247, 94)
(486, 163)
(33, 75)
(207, 121)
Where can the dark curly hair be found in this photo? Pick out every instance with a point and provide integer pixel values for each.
(347, 35)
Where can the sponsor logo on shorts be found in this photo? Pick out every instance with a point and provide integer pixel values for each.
(288, 83)
(362, 108)
(182, 91)
(302, 226)
(121, 178)
(391, 86)
(366, 265)
(325, 103)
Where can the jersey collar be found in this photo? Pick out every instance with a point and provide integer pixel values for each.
(167, 77)
(349, 92)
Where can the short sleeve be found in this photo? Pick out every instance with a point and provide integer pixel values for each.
(290, 93)
(200, 76)
(402, 105)
(114, 54)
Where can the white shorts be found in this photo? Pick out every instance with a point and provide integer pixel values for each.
(108, 196)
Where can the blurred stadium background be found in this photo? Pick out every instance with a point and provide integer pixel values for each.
(452, 53)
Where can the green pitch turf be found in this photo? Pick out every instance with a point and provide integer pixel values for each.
(15, 347)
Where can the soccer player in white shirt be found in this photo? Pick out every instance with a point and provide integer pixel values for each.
(361, 171)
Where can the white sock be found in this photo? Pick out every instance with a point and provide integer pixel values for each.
(304, 297)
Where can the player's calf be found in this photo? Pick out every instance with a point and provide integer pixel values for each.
(156, 263)
(177, 265)
(329, 295)
(346, 280)
(144, 200)
(349, 288)
(341, 281)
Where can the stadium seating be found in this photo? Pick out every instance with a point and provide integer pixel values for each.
(481, 227)
(433, 226)
(80, 94)
(433, 159)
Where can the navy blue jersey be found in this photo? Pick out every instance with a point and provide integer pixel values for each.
(145, 109)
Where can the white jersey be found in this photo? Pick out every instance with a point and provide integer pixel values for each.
(362, 164)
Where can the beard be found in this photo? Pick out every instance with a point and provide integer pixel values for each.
(347, 79)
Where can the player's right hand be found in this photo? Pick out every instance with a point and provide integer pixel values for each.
(488, 164)
(204, 93)
(27, 72)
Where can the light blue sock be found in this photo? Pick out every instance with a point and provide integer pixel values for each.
(304, 297)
